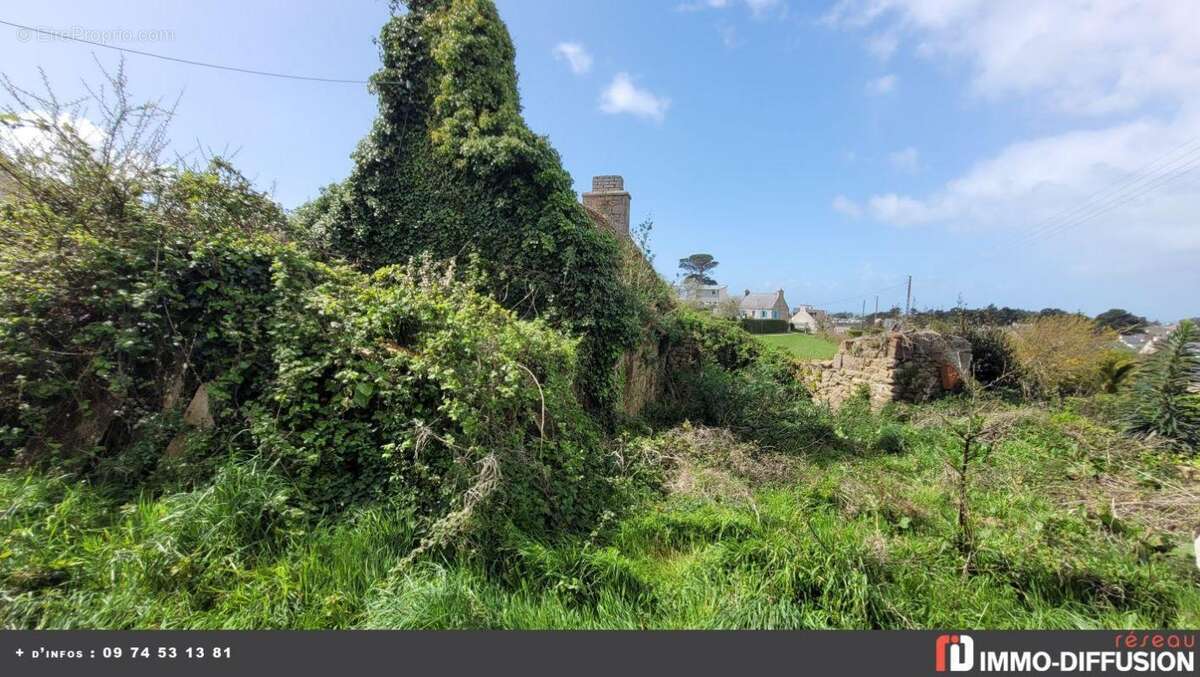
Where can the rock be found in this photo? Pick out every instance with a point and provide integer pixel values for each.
(197, 414)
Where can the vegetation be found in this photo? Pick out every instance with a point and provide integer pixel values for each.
(212, 416)
(1120, 320)
(756, 326)
(961, 318)
(741, 538)
(696, 267)
(1166, 398)
(803, 346)
(993, 361)
(1060, 355)
(451, 170)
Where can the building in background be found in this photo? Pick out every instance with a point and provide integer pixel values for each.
(804, 320)
(764, 306)
(708, 296)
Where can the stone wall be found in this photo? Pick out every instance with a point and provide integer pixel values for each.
(910, 366)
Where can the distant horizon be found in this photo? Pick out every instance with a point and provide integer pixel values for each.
(1032, 157)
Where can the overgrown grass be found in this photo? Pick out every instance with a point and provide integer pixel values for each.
(803, 346)
(742, 538)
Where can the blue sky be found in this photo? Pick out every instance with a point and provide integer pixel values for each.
(1030, 155)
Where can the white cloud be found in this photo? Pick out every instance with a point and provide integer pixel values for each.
(758, 8)
(907, 160)
(34, 133)
(883, 45)
(576, 56)
(762, 7)
(882, 85)
(1079, 57)
(702, 4)
(623, 96)
(844, 205)
(1107, 200)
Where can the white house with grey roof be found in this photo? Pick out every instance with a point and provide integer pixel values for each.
(764, 306)
(709, 296)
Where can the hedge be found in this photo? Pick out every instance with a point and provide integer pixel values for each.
(766, 326)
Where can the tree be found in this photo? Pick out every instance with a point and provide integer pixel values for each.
(1060, 354)
(1166, 395)
(977, 425)
(1119, 320)
(696, 268)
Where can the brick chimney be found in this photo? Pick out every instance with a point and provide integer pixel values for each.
(608, 198)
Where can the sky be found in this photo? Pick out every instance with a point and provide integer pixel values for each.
(1035, 154)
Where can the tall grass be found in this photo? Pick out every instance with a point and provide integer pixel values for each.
(862, 540)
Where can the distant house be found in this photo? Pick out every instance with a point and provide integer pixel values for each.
(1147, 341)
(803, 320)
(709, 296)
(764, 306)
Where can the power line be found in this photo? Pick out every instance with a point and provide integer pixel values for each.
(856, 297)
(1129, 181)
(1119, 193)
(190, 62)
(1159, 182)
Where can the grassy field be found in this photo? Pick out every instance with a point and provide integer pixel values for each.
(804, 346)
(739, 538)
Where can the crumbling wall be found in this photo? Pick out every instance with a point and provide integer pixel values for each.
(898, 366)
(642, 376)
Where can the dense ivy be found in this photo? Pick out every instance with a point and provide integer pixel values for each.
(405, 385)
(106, 322)
(408, 384)
(451, 169)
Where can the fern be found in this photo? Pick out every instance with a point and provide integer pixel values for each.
(1166, 394)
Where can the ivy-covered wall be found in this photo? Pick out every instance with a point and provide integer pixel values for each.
(450, 168)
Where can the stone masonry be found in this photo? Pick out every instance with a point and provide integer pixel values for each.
(910, 366)
(609, 199)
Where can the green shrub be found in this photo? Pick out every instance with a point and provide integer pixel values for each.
(765, 326)
(719, 375)
(1165, 401)
(451, 169)
(103, 322)
(993, 362)
(408, 383)
(1060, 355)
(1115, 370)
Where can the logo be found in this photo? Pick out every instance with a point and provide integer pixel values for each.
(959, 648)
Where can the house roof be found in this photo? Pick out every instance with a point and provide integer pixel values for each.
(1135, 341)
(802, 315)
(760, 301)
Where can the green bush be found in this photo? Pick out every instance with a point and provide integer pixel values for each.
(1165, 401)
(108, 324)
(765, 326)
(719, 375)
(451, 169)
(408, 383)
(993, 362)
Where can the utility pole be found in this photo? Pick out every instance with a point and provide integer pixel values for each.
(863, 316)
(877, 305)
(908, 298)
